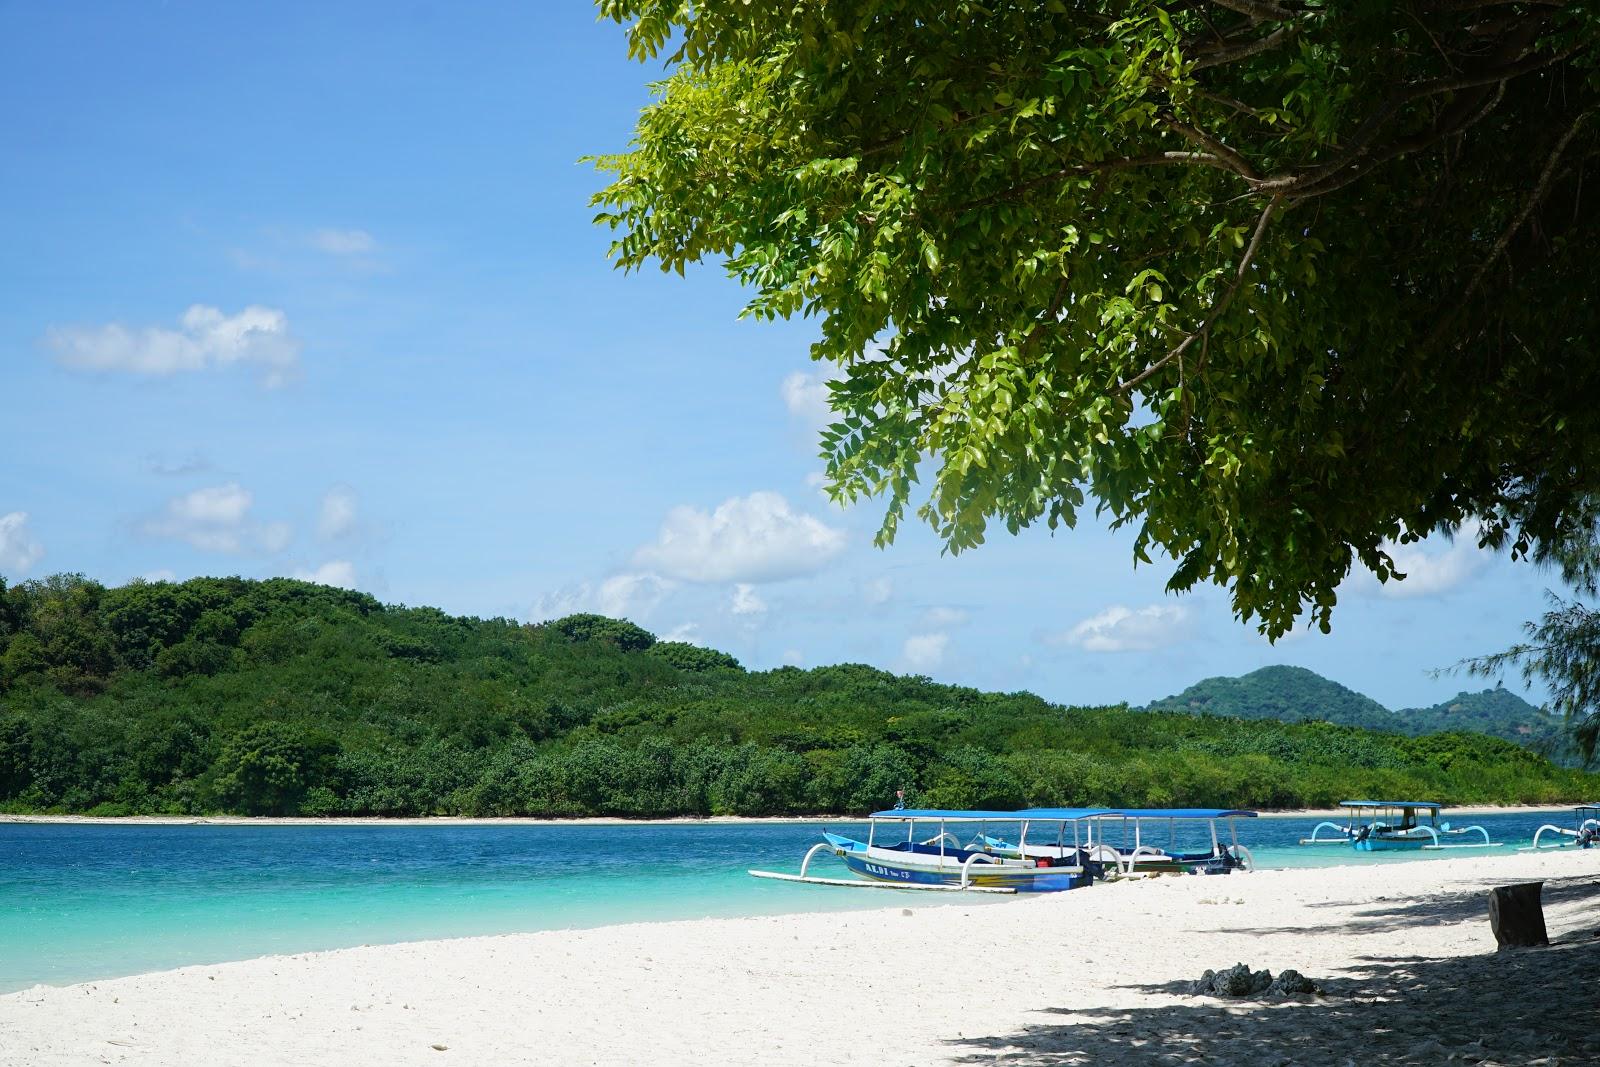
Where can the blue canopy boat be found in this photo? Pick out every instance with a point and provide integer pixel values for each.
(1387, 825)
(1585, 832)
(1135, 850)
(943, 863)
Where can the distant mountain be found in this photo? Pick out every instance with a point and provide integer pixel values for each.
(1294, 694)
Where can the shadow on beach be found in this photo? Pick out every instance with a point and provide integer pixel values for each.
(1466, 904)
(1512, 1009)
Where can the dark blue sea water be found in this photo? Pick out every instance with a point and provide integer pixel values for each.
(79, 902)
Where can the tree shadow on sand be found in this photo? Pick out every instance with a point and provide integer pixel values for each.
(1511, 1009)
(1465, 903)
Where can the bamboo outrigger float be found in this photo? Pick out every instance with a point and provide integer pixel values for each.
(1388, 825)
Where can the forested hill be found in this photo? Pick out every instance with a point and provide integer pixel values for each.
(1294, 694)
(284, 697)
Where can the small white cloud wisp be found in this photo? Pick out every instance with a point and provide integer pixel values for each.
(205, 339)
(752, 539)
(925, 652)
(344, 242)
(217, 519)
(339, 572)
(18, 549)
(1123, 629)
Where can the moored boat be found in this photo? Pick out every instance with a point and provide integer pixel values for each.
(1585, 831)
(893, 856)
(1390, 825)
(1130, 840)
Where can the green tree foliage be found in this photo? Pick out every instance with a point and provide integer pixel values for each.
(1275, 281)
(620, 632)
(323, 702)
(687, 657)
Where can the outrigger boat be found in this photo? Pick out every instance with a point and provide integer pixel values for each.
(942, 863)
(1134, 853)
(1386, 825)
(1585, 832)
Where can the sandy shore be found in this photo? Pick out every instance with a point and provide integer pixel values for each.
(715, 820)
(1095, 976)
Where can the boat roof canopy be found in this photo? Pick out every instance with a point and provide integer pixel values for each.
(1185, 813)
(1428, 804)
(947, 815)
(1059, 814)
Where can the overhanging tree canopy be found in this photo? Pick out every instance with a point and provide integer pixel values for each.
(1274, 282)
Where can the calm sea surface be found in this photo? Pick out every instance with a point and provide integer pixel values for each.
(79, 902)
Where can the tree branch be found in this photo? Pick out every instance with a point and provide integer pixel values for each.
(1232, 54)
(1218, 308)
(1540, 188)
(1216, 147)
(1304, 185)
(1259, 10)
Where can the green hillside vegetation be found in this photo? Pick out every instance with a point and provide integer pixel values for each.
(278, 697)
(1294, 694)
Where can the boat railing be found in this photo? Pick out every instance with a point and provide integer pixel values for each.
(946, 836)
(1342, 839)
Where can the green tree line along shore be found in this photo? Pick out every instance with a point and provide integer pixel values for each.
(283, 697)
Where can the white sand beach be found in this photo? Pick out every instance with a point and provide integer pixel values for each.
(1404, 952)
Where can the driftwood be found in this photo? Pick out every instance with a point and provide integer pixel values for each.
(1516, 915)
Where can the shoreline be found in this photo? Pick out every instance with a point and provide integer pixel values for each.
(682, 820)
(1103, 970)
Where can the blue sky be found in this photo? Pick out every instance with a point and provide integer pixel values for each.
(312, 290)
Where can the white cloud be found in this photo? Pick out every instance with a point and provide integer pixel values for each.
(340, 572)
(622, 596)
(1430, 573)
(18, 549)
(339, 513)
(940, 618)
(217, 519)
(878, 592)
(162, 574)
(924, 652)
(344, 242)
(752, 539)
(206, 338)
(193, 463)
(687, 632)
(793, 657)
(1122, 629)
(746, 602)
(806, 397)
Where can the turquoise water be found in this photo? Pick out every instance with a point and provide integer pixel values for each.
(79, 902)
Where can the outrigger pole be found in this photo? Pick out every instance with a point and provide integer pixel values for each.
(856, 883)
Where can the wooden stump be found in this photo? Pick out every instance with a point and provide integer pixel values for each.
(1516, 915)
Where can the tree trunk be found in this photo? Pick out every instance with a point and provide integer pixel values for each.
(1516, 915)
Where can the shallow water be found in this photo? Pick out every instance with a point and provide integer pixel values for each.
(79, 902)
